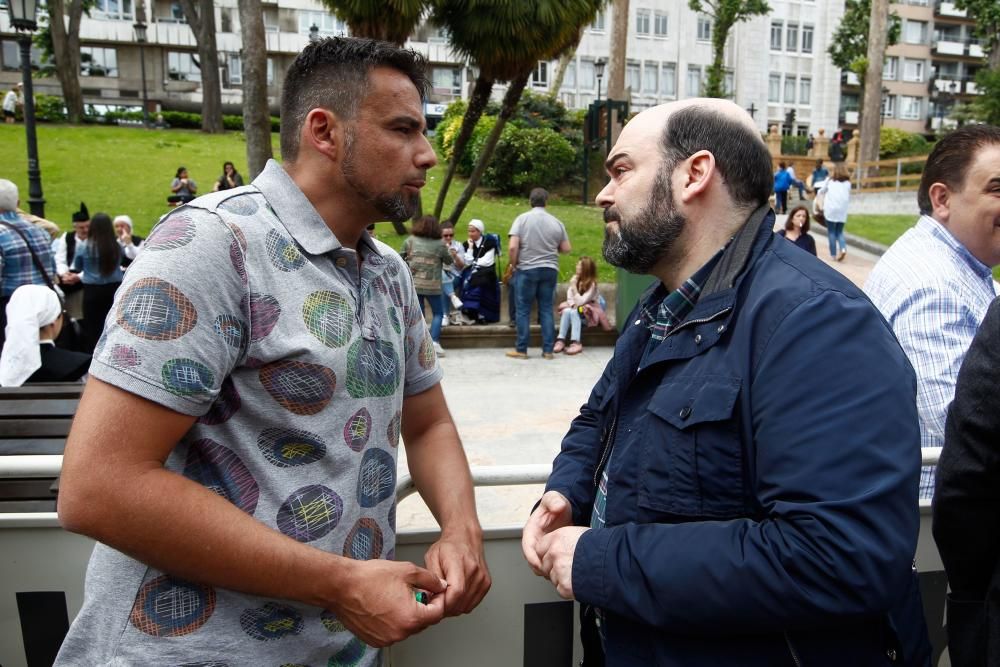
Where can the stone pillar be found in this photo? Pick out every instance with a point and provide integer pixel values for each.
(774, 141)
(821, 145)
(852, 148)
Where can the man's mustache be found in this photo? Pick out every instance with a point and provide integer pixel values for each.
(611, 215)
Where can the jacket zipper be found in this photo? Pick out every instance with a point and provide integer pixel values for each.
(794, 653)
(606, 451)
(702, 320)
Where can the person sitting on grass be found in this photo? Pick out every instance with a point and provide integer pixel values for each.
(582, 303)
(183, 188)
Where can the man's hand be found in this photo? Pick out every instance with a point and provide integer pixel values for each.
(69, 278)
(379, 605)
(551, 514)
(462, 563)
(555, 551)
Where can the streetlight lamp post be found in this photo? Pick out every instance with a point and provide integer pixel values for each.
(599, 72)
(23, 15)
(885, 98)
(313, 33)
(140, 37)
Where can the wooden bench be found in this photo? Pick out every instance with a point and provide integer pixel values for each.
(34, 420)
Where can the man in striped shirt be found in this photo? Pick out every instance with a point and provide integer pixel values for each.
(935, 282)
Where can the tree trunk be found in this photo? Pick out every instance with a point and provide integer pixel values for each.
(256, 115)
(871, 112)
(510, 101)
(619, 42)
(201, 18)
(565, 58)
(477, 104)
(66, 49)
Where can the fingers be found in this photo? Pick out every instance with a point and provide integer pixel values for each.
(419, 577)
(529, 541)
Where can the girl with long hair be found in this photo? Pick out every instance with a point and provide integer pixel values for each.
(426, 255)
(837, 194)
(100, 260)
(582, 303)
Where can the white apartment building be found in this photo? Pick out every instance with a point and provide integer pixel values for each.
(775, 64)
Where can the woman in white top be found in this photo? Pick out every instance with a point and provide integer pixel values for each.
(837, 193)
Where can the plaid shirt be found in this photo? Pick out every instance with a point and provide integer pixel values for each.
(16, 266)
(934, 294)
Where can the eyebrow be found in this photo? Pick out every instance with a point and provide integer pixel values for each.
(613, 158)
(407, 120)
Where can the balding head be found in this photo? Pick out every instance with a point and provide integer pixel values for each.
(8, 195)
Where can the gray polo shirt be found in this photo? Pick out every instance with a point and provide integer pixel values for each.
(244, 310)
(540, 234)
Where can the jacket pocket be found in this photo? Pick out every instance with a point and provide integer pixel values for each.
(692, 457)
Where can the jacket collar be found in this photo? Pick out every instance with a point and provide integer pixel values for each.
(749, 241)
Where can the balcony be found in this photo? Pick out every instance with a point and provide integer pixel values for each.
(947, 85)
(970, 88)
(850, 117)
(848, 78)
(949, 47)
(975, 50)
(949, 9)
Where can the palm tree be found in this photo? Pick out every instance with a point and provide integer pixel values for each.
(505, 40)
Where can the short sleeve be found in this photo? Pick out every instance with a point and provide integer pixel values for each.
(420, 366)
(180, 322)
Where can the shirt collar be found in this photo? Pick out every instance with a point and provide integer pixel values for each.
(685, 296)
(299, 216)
(931, 226)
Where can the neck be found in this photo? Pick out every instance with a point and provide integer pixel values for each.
(344, 213)
(704, 234)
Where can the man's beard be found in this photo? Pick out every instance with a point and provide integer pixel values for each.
(395, 206)
(640, 243)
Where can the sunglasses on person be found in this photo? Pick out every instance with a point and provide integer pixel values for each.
(448, 236)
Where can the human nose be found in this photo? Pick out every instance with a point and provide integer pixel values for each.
(605, 197)
(426, 158)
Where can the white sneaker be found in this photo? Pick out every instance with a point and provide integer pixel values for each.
(455, 301)
(438, 349)
(445, 321)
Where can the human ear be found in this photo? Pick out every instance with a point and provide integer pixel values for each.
(697, 172)
(940, 197)
(320, 131)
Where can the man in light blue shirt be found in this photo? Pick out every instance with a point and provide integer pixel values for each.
(935, 283)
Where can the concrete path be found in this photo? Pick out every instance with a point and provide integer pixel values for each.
(856, 265)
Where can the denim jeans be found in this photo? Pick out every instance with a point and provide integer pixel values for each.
(570, 322)
(781, 201)
(512, 298)
(536, 285)
(835, 234)
(437, 312)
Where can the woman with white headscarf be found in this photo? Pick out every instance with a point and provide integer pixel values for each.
(34, 319)
(131, 243)
(480, 286)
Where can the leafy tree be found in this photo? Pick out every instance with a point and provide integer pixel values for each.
(724, 14)
(987, 13)
(849, 45)
(986, 106)
(60, 46)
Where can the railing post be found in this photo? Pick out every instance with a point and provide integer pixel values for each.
(899, 173)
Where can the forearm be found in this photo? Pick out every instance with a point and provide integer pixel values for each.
(514, 252)
(438, 455)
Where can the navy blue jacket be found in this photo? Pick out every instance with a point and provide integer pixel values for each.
(763, 469)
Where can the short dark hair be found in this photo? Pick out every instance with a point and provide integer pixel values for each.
(949, 162)
(538, 197)
(740, 155)
(333, 74)
(427, 227)
(180, 170)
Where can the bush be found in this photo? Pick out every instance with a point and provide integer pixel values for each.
(50, 108)
(529, 157)
(447, 133)
(794, 145)
(894, 142)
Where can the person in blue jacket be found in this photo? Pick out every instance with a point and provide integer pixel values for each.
(741, 486)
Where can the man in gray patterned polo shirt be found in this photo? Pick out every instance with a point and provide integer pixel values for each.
(270, 356)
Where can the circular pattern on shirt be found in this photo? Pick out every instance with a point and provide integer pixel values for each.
(234, 331)
(372, 368)
(301, 388)
(244, 205)
(238, 260)
(331, 622)
(264, 313)
(310, 513)
(426, 355)
(186, 377)
(393, 429)
(397, 326)
(392, 517)
(172, 232)
(358, 429)
(283, 252)
(364, 542)
(328, 316)
(225, 405)
(390, 288)
(272, 621)
(125, 357)
(169, 607)
(412, 315)
(391, 267)
(289, 447)
(376, 478)
(217, 468)
(350, 655)
(154, 309)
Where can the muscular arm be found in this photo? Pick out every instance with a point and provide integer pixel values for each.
(115, 489)
(441, 474)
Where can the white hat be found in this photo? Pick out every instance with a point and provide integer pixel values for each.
(478, 224)
(30, 308)
(124, 218)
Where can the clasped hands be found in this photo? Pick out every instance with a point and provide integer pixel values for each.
(549, 542)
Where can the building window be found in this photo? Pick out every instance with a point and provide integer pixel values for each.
(704, 29)
(569, 77)
(98, 61)
(588, 77)
(12, 56)
(660, 24)
(270, 72)
(694, 81)
(120, 10)
(792, 37)
(329, 25)
(889, 106)
(446, 80)
(915, 32)
(805, 90)
(540, 78)
(774, 88)
(642, 22)
(181, 67)
(910, 108)
(890, 70)
(598, 24)
(776, 29)
(728, 83)
(176, 13)
(235, 70)
(668, 81)
(807, 39)
(650, 78)
(789, 89)
(632, 77)
(913, 70)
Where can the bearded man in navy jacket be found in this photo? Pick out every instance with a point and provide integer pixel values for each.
(741, 486)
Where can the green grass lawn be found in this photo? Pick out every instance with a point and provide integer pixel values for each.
(882, 229)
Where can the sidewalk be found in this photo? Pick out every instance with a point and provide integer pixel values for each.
(859, 261)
